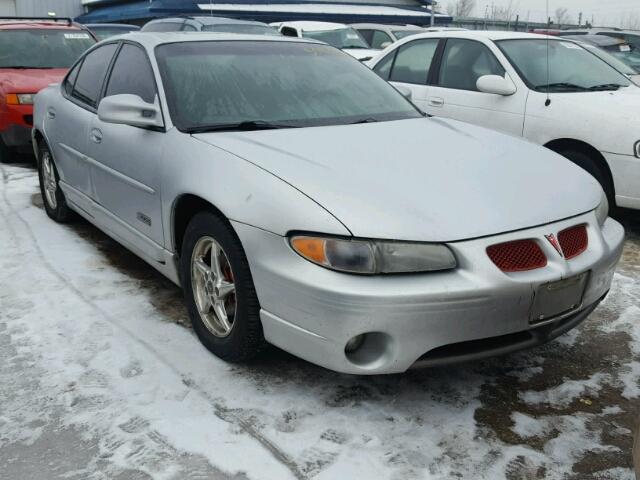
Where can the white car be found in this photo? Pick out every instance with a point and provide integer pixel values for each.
(339, 35)
(583, 108)
(380, 36)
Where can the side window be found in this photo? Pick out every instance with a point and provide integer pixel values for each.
(289, 32)
(413, 61)
(383, 68)
(132, 74)
(189, 28)
(379, 40)
(91, 75)
(163, 27)
(367, 35)
(464, 62)
(71, 79)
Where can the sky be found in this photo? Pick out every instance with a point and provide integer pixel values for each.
(614, 13)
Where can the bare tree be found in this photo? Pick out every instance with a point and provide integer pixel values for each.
(461, 8)
(562, 16)
(506, 12)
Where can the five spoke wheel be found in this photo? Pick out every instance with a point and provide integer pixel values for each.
(49, 181)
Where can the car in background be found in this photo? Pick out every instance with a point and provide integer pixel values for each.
(330, 218)
(338, 35)
(579, 106)
(102, 31)
(34, 52)
(380, 36)
(206, 23)
(630, 36)
(623, 51)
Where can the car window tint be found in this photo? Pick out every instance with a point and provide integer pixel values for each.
(464, 62)
(71, 79)
(92, 72)
(367, 34)
(289, 32)
(132, 74)
(413, 61)
(379, 38)
(383, 68)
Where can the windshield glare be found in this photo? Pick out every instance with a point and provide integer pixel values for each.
(571, 67)
(240, 28)
(405, 33)
(341, 38)
(42, 48)
(285, 83)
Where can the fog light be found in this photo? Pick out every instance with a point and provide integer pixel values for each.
(354, 344)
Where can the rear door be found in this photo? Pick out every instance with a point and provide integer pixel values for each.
(67, 122)
(455, 94)
(409, 66)
(127, 166)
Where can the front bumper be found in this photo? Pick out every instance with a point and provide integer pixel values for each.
(16, 125)
(312, 312)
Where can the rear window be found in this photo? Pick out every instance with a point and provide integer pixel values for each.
(42, 48)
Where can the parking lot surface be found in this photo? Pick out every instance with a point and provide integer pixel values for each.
(101, 377)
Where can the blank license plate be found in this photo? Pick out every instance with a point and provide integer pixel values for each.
(555, 298)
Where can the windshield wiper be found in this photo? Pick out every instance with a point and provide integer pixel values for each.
(364, 120)
(247, 125)
(605, 86)
(561, 86)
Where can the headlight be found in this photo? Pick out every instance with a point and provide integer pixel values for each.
(373, 256)
(636, 149)
(20, 98)
(602, 212)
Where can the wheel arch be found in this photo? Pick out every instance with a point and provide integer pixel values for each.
(38, 139)
(563, 144)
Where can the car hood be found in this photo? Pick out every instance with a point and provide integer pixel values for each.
(622, 104)
(421, 179)
(362, 54)
(29, 80)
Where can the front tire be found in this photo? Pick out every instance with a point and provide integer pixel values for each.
(219, 291)
(54, 201)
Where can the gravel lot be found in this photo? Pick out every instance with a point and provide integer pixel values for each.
(101, 377)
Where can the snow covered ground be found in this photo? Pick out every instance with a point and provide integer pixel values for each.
(102, 378)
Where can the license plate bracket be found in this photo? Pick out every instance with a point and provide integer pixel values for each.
(557, 298)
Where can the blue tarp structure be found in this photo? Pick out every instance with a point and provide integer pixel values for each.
(267, 11)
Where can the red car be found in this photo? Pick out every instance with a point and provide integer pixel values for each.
(34, 52)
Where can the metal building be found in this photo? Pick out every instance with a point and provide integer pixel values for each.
(41, 8)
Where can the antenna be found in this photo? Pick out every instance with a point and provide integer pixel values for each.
(548, 101)
(211, 8)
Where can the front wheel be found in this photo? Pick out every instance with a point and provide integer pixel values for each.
(54, 201)
(219, 291)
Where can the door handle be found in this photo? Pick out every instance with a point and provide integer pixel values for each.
(436, 102)
(51, 113)
(96, 135)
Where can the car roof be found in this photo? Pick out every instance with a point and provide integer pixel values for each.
(481, 34)
(111, 25)
(308, 26)
(599, 40)
(152, 39)
(387, 26)
(209, 20)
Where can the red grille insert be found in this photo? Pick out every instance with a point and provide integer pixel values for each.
(517, 256)
(573, 241)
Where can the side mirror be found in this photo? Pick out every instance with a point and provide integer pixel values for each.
(129, 110)
(496, 84)
(404, 91)
(384, 45)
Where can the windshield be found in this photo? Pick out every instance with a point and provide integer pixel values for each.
(241, 28)
(571, 67)
(210, 84)
(341, 38)
(405, 33)
(42, 48)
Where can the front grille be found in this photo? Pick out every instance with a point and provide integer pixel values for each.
(517, 256)
(573, 241)
(28, 119)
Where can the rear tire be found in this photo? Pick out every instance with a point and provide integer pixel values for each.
(53, 199)
(228, 294)
(591, 166)
(6, 154)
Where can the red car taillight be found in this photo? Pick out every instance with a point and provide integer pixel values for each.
(573, 241)
(517, 256)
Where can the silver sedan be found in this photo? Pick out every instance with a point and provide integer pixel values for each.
(302, 201)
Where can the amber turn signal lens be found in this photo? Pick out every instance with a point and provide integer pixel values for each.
(12, 99)
(310, 248)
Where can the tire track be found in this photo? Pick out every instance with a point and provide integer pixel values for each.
(220, 411)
